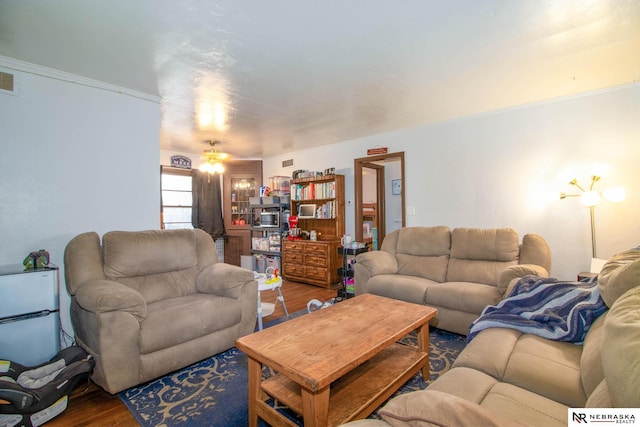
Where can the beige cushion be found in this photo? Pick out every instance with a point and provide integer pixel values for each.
(177, 320)
(404, 288)
(517, 272)
(600, 398)
(480, 255)
(535, 250)
(621, 350)
(223, 279)
(423, 241)
(127, 254)
(591, 360)
(101, 296)
(497, 342)
(423, 252)
(82, 261)
(620, 273)
(464, 296)
(503, 400)
(548, 368)
(490, 244)
(476, 271)
(428, 267)
(434, 408)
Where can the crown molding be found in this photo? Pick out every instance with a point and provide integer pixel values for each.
(27, 67)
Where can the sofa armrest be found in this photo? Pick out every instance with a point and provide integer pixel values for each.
(222, 279)
(371, 264)
(506, 282)
(101, 296)
(378, 262)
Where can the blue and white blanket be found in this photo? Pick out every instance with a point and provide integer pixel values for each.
(561, 311)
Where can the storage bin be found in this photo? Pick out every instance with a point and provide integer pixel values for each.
(269, 200)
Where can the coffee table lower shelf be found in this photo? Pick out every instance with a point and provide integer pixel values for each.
(359, 392)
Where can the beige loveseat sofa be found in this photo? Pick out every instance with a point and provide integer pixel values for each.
(506, 378)
(146, 303)
(458, 271)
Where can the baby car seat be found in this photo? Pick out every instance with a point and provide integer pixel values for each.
(31, 396)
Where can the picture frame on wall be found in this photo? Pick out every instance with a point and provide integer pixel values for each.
(396, 187)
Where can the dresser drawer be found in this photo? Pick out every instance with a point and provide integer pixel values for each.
(293, 245)
(316, 249)
(318, 261)
(316, 272)
(290, 269)
(293, 257)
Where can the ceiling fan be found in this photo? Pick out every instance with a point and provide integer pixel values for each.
(213, 159)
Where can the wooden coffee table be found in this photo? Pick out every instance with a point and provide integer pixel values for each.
(337, 364)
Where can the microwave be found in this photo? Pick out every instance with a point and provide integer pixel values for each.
(269, 219)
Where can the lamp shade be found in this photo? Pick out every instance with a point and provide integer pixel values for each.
(590, 198)
(614, 194)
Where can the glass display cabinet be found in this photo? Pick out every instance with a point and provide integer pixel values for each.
(242, 189)
(241, 181)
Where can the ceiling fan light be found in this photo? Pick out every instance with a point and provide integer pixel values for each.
(217, 167)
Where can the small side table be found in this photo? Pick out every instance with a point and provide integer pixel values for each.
(586, 276)
(346, 271)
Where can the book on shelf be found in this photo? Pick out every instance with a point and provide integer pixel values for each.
(314, 190)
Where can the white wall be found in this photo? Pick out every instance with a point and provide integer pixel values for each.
(74, 158)
(393, 202)
(492, 170)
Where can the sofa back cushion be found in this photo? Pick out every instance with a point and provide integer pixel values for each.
(159, 264)
(619, 274)
(479, 255)
(420, 251)
(621, 350)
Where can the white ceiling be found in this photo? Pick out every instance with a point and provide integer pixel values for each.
(273, 76)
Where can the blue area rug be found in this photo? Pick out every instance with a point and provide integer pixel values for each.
(213, 392)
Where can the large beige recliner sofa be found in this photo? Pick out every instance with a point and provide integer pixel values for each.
(506, 378)
(145, 303)
(458, 271)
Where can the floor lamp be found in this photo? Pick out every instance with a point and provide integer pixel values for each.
(591, 198)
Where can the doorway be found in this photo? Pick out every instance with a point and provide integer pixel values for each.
(379, 197)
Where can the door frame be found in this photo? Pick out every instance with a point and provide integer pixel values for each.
(358, 164)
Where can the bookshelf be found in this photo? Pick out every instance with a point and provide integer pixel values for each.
(327, 193)
(316, 261)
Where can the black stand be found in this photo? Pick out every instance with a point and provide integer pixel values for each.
(346, 271)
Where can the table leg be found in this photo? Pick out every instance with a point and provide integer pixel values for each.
(423, 345)
(255, 378)
(315, 407)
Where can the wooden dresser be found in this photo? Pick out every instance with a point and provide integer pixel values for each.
(311, 261)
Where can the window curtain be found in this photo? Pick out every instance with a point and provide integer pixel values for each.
(206, 212)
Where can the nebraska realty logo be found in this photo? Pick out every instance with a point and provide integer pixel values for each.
(583, 416)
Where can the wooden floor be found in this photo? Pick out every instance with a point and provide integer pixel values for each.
(92, 406)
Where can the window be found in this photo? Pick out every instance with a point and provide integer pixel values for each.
(176, 198)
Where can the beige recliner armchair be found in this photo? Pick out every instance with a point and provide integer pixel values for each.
(146, 303)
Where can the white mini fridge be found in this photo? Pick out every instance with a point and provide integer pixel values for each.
(29, 315)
